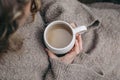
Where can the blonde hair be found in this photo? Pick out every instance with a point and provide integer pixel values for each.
(9, 12)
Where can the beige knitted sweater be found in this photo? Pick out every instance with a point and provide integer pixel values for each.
(100, 59)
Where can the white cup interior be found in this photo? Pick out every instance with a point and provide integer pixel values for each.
(54, 24)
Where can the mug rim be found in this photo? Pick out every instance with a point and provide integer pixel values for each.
(52, 23)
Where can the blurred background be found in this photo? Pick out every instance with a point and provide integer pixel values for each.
(92, 1)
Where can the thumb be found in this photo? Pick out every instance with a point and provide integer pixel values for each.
(51, 55)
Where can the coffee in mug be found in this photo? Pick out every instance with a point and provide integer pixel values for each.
(59, 36)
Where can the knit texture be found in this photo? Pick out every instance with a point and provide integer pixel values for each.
(29, 63)
(99, 60)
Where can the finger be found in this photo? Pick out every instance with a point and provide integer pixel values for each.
(73, 50)
(51, 55)
(68, 58)
(73, 25)
(77, 36)
(76, 48)
(80, 42)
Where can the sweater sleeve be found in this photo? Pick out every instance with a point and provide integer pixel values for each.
(62, 71)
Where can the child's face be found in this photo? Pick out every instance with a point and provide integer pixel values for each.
(24, 16)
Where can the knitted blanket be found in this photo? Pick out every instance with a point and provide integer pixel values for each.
(98, 61)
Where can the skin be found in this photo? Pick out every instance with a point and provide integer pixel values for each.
(70, 56)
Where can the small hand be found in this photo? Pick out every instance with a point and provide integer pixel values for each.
(70, 56)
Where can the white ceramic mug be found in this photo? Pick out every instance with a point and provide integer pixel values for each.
(79, 29)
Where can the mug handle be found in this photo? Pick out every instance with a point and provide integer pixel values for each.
(80, 29)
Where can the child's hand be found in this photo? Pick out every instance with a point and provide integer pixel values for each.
(70, 56)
